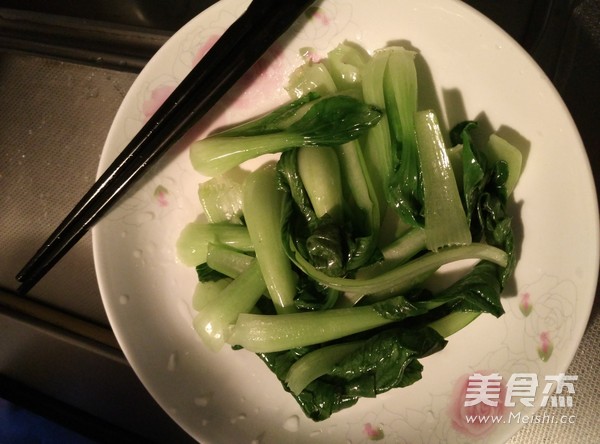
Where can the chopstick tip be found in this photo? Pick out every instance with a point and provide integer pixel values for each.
(24, 288)
(20, 277)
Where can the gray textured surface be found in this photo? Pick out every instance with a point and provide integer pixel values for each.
(55, 119)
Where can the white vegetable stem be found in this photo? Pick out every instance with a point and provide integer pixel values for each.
(192, 244)
(405, 276)
(319, 170)
(317, 363)
(263, 204)
(445, 219)
(271, 333)
(215, 320)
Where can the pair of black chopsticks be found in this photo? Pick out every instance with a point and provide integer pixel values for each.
(263, 22)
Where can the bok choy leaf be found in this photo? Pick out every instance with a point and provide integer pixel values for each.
(325, 261)
(330, 120)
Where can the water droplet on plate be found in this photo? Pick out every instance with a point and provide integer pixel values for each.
(123, 299)
(172, 363)
(292, 423)
(239, 417)
(429, 416)
(140, 218)
(201, 401)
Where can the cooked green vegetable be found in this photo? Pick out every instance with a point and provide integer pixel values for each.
(319, 170)
(400, 89)
(498, 149)
(309, 121)
(192, 245)
(337, 241)
(264, 208)
(403, 277)
(378, 149)
(323, 262)
(268, 333)
(444, 216)
(207, 291)
(226, 261)
(213, 323)
(317, 363)
(221, 199)
(366, 367)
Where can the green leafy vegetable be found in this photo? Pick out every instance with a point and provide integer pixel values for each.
(319, 170)
(325, 262)
(404, 276)
(192, 244)
(264, 209)
(334, 239)
(444, 216)
(378, 149)
(213, 322)
(331, 378)
(405, 186)
(331, 120)
(221, 199)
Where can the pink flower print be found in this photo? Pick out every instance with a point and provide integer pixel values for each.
(317, 14)
(475, 416)
(209, 43)
(525, 304)
(268, 74)
(161, 195)
(545, 347)
(161, 93)
(310, 55)
(157, 98)
(373, 434)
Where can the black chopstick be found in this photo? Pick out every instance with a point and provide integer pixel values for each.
(263, 22)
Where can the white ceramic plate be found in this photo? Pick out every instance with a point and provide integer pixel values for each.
(468, 68)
